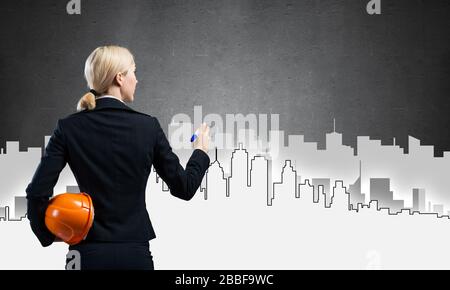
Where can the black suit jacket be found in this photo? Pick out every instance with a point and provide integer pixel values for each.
(111, 150)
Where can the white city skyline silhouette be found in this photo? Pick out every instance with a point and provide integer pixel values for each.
(275, 206)
(255, 152)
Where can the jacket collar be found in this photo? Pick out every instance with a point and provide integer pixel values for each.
(106, 103)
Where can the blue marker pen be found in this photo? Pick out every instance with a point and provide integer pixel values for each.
(195, 136)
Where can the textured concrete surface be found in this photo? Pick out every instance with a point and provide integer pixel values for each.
(310, 61)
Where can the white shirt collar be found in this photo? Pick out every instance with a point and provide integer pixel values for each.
(109, 96)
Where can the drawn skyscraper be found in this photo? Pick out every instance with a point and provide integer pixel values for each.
(419, 199)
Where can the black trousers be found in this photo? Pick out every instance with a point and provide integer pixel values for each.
(110, 256)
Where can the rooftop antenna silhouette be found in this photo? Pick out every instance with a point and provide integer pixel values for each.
(334, 125)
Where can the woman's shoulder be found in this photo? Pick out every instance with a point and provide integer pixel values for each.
(83, 113)
(86, 117)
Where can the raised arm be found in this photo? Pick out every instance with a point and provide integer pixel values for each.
(183, 183)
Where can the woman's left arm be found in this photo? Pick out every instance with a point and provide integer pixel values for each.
(41, 187)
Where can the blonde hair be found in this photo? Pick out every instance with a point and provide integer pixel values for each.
(100, 69)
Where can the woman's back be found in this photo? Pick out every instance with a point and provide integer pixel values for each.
(110, 152)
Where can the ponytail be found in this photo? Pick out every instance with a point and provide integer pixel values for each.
(86, 102)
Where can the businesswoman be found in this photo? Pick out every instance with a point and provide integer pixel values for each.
(111, 149)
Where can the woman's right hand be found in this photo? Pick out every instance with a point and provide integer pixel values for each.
(202, 141)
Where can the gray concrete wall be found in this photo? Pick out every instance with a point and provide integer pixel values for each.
(310, 61)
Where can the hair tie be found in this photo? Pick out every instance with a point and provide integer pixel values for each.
(94, 92)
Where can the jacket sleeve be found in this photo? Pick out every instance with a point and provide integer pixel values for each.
(183, 183)
(41, 187)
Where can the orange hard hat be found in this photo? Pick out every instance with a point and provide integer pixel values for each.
(69, 216)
